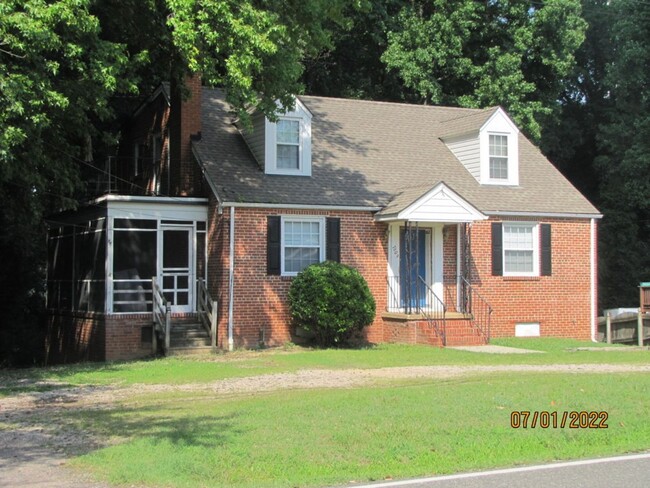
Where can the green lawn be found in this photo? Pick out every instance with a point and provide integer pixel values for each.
(251, 363)
(390, 429)
(330, 437)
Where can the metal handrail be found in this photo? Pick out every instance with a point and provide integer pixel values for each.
(207, 308)
(481, 313)
(435, 313)
(161, 311)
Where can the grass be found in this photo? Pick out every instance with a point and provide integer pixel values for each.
(176, 370)
(328, 437)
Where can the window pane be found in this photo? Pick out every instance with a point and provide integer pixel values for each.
(519, 261)
(498, 157)
(288, 131)
(518, 237)
(498, 145)
(134, 255)
(287, 157)
(301, 233)
(176, 249)
(499, 168)
(298, 258)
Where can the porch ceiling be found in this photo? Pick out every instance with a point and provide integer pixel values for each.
(427, 204)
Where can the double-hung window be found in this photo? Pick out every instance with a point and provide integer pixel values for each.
(288, 144)
(303, 243)
(520, 249)
(498, 157)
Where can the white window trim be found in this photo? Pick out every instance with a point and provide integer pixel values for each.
(301, 166)
(300, 218)
(499, 125)
(301, 114)
(506, 157)
(535, 228)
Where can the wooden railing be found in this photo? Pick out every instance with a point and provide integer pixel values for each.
(478, 307)
(161, 312)
(207, 309)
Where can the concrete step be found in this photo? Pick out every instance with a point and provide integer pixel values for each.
(187, 351)
(188, 334)
(189, 341)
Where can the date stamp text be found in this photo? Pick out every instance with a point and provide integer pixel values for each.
(544, 419)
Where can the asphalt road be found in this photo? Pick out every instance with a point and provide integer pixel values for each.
(631, 471)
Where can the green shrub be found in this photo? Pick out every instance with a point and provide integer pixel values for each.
(332, 301)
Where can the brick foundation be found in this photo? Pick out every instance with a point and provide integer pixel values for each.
(74, 337)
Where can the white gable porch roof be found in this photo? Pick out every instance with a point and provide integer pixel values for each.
(438, 204)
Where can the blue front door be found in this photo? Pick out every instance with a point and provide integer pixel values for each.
(413, 265)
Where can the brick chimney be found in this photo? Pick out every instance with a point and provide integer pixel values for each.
(184, 122)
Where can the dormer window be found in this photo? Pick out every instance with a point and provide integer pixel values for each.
(498, 140)
(288, 144)
(285, 148)
(489, 150)
(498, 157)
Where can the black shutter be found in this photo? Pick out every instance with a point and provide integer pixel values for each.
(333, 239)
(545, 230)
(497, 249)
(273, 244)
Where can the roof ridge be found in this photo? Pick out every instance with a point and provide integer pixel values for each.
(479, 111)
(383, 102)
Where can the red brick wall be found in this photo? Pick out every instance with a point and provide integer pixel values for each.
(560, 303)
(74, 336)
(184, 122)
(449, 265)
(260, 306)
(124, 336)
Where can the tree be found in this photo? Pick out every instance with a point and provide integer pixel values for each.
(63, 61)
(624, 161)
(56, 77)
(475, 54)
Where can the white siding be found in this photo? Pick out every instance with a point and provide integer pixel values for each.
(440, 207)
(255, 138)
(467, 150)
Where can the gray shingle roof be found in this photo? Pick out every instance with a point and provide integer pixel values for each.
(370, 153)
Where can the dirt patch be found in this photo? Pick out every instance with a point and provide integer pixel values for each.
(34, 444)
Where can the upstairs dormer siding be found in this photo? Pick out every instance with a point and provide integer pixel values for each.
(293, 131)
(467, 150)
(255, 138)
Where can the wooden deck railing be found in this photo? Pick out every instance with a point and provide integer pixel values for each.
(161, 312)
(207, 308)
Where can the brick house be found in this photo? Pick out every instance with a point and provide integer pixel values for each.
(462, 228)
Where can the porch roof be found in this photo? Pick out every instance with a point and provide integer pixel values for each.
(430, 204)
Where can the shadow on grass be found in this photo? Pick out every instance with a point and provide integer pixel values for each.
(175, 426)
(47, 378)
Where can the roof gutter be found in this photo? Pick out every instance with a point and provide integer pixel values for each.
(298, 206)
(559, 215)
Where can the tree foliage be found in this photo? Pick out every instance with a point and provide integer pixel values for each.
(476, 54)
(63, 61)
(56, 77)
(623, 164)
